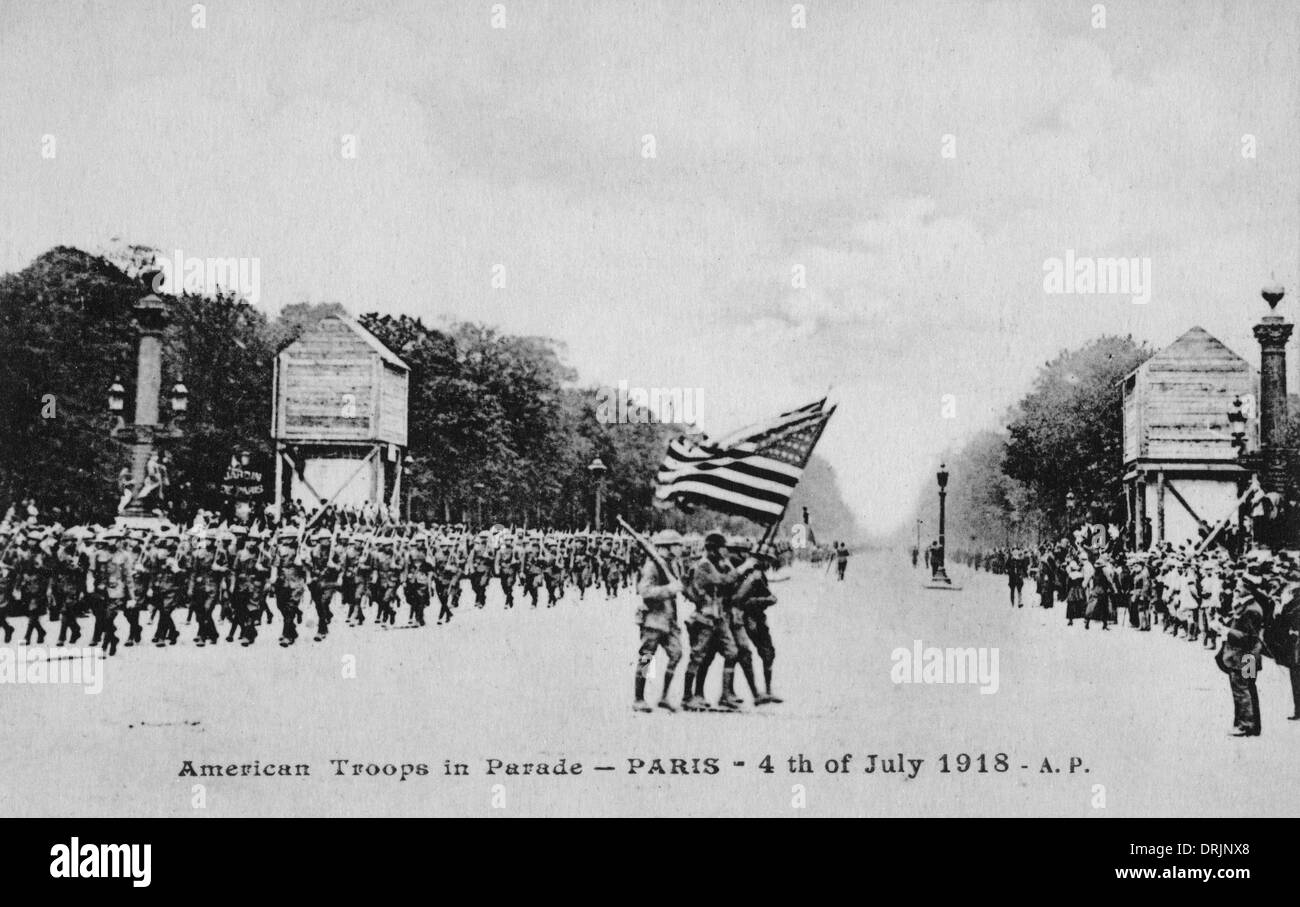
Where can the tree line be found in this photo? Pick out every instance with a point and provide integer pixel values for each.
(492, 416)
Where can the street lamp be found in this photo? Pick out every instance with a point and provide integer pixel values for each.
(478, 499)
(180, 398)
(1069, 512)
(116, 397)
(597, 468)
(938, 573)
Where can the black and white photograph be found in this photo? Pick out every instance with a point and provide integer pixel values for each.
(650, 409)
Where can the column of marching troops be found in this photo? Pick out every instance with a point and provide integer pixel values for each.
(167, 578)
(1243, 604)
(231, 574)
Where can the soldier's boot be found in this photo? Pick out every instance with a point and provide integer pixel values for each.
(767, 682)
(748, 669)
(688, 691)
(663, 698)
(728, 699)
(8, 628)
(639, 703)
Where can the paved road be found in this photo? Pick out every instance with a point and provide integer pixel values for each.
(1145, 716)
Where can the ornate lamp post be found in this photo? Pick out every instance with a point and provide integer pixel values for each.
(597, 468)
(1069, 512)
(938, 573)
(146, 433)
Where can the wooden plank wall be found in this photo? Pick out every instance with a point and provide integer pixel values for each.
(326, 386)
(1182, 408)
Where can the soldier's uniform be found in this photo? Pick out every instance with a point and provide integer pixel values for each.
(291, 578)
(326, 580)
(480, 571)
(350, 582)
(31, 583)
(657, 619)
(165, 582)
(508, 564)
(446, 580)
(207, 567)
(712, 581)
(754, 597)
(69, 588)
(119, 588)
(553, 573)
(8, 584)
(386, 574)
(532, 570)
(249, 575)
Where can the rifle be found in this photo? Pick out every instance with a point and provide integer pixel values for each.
(649, 549)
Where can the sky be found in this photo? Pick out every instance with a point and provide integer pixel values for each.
(864, 204)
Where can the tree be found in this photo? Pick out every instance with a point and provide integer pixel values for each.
(1066, 435)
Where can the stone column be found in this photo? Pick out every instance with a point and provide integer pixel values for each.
(1272, 332)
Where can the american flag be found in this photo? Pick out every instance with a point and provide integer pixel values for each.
(749, 473)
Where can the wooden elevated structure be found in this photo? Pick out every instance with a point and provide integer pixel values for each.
(1180, 465)
(339, 417)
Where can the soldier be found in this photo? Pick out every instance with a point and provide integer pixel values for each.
(350, 580)
(8, 586)
(446, 580)
(611, 567)
(841, 560)
(69, 586)
(580, 566)
(553, 573)
(385, 578)
(508, 563)
(415, 588)
(326, 579)
(165, 581)
(290, 578)
(139, 587)
(712, 580)
(31, 583)
(249, 574)
(532, 570)
(207, 566)
(119, 587)
(479, 568)
(755, 597)
(657, 617)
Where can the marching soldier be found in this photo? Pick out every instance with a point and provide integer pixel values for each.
(753, 597)
(480, 569)
(712, 580)
(657, 617)
(532, 570)
(350, 581)
(249, 575)
(326, 579)
(31, 582)
(446, 580)
(207, 568)
(165, 582)
(290, 578)
(69, 586)
(507, 565)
